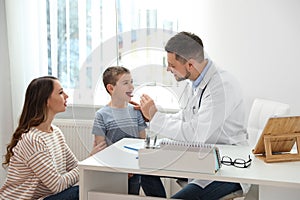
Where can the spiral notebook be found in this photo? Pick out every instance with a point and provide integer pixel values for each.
(181, 156)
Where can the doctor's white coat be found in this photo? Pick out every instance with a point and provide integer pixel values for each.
(219, 119)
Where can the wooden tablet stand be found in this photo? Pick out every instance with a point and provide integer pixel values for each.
(277, 140)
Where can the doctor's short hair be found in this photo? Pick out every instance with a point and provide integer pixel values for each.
(112, 74)
(186, 46)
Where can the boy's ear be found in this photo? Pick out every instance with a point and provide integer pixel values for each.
(110, 88)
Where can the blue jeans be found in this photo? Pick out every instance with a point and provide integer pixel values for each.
(71, 193)
(152, 185)
(214, 190)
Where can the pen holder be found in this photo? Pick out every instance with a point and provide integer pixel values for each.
(149, 134)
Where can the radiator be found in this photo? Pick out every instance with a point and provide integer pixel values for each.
(78, 134)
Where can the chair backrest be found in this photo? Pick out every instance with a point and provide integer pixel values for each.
(260, 112)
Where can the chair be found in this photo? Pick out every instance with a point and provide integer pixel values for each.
(260, 112)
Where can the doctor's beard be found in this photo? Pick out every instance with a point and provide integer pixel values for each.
(187, 75)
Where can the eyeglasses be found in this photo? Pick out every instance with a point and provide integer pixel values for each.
(240, 163)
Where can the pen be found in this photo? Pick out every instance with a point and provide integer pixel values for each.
(154, 143)
(147, 142)
(131, 148)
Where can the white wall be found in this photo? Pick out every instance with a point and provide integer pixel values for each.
(6, 122)
(256, 40)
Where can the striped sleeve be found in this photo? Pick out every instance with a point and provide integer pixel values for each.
(99, 125)
(141, 122)
(71, 160)
(43, 165)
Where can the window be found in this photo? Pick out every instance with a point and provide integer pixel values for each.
(87, 36)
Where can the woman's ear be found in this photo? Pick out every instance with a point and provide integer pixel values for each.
(109, 88)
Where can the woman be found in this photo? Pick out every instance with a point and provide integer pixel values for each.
(40, 163)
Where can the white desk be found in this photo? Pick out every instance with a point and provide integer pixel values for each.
(107, 172)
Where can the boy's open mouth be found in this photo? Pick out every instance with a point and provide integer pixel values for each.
(129, 94)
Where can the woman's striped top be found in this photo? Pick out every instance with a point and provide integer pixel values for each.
(42, 165)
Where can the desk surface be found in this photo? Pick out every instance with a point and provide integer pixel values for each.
(116, 158)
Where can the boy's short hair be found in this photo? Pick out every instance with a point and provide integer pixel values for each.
(111, 75)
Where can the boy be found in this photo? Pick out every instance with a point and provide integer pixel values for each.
(118, 120)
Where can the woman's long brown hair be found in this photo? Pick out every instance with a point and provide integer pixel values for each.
(34, 110)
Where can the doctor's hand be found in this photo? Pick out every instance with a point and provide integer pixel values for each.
(148, 107)
(137, 106)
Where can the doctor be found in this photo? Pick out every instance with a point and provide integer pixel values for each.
(211, 109)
